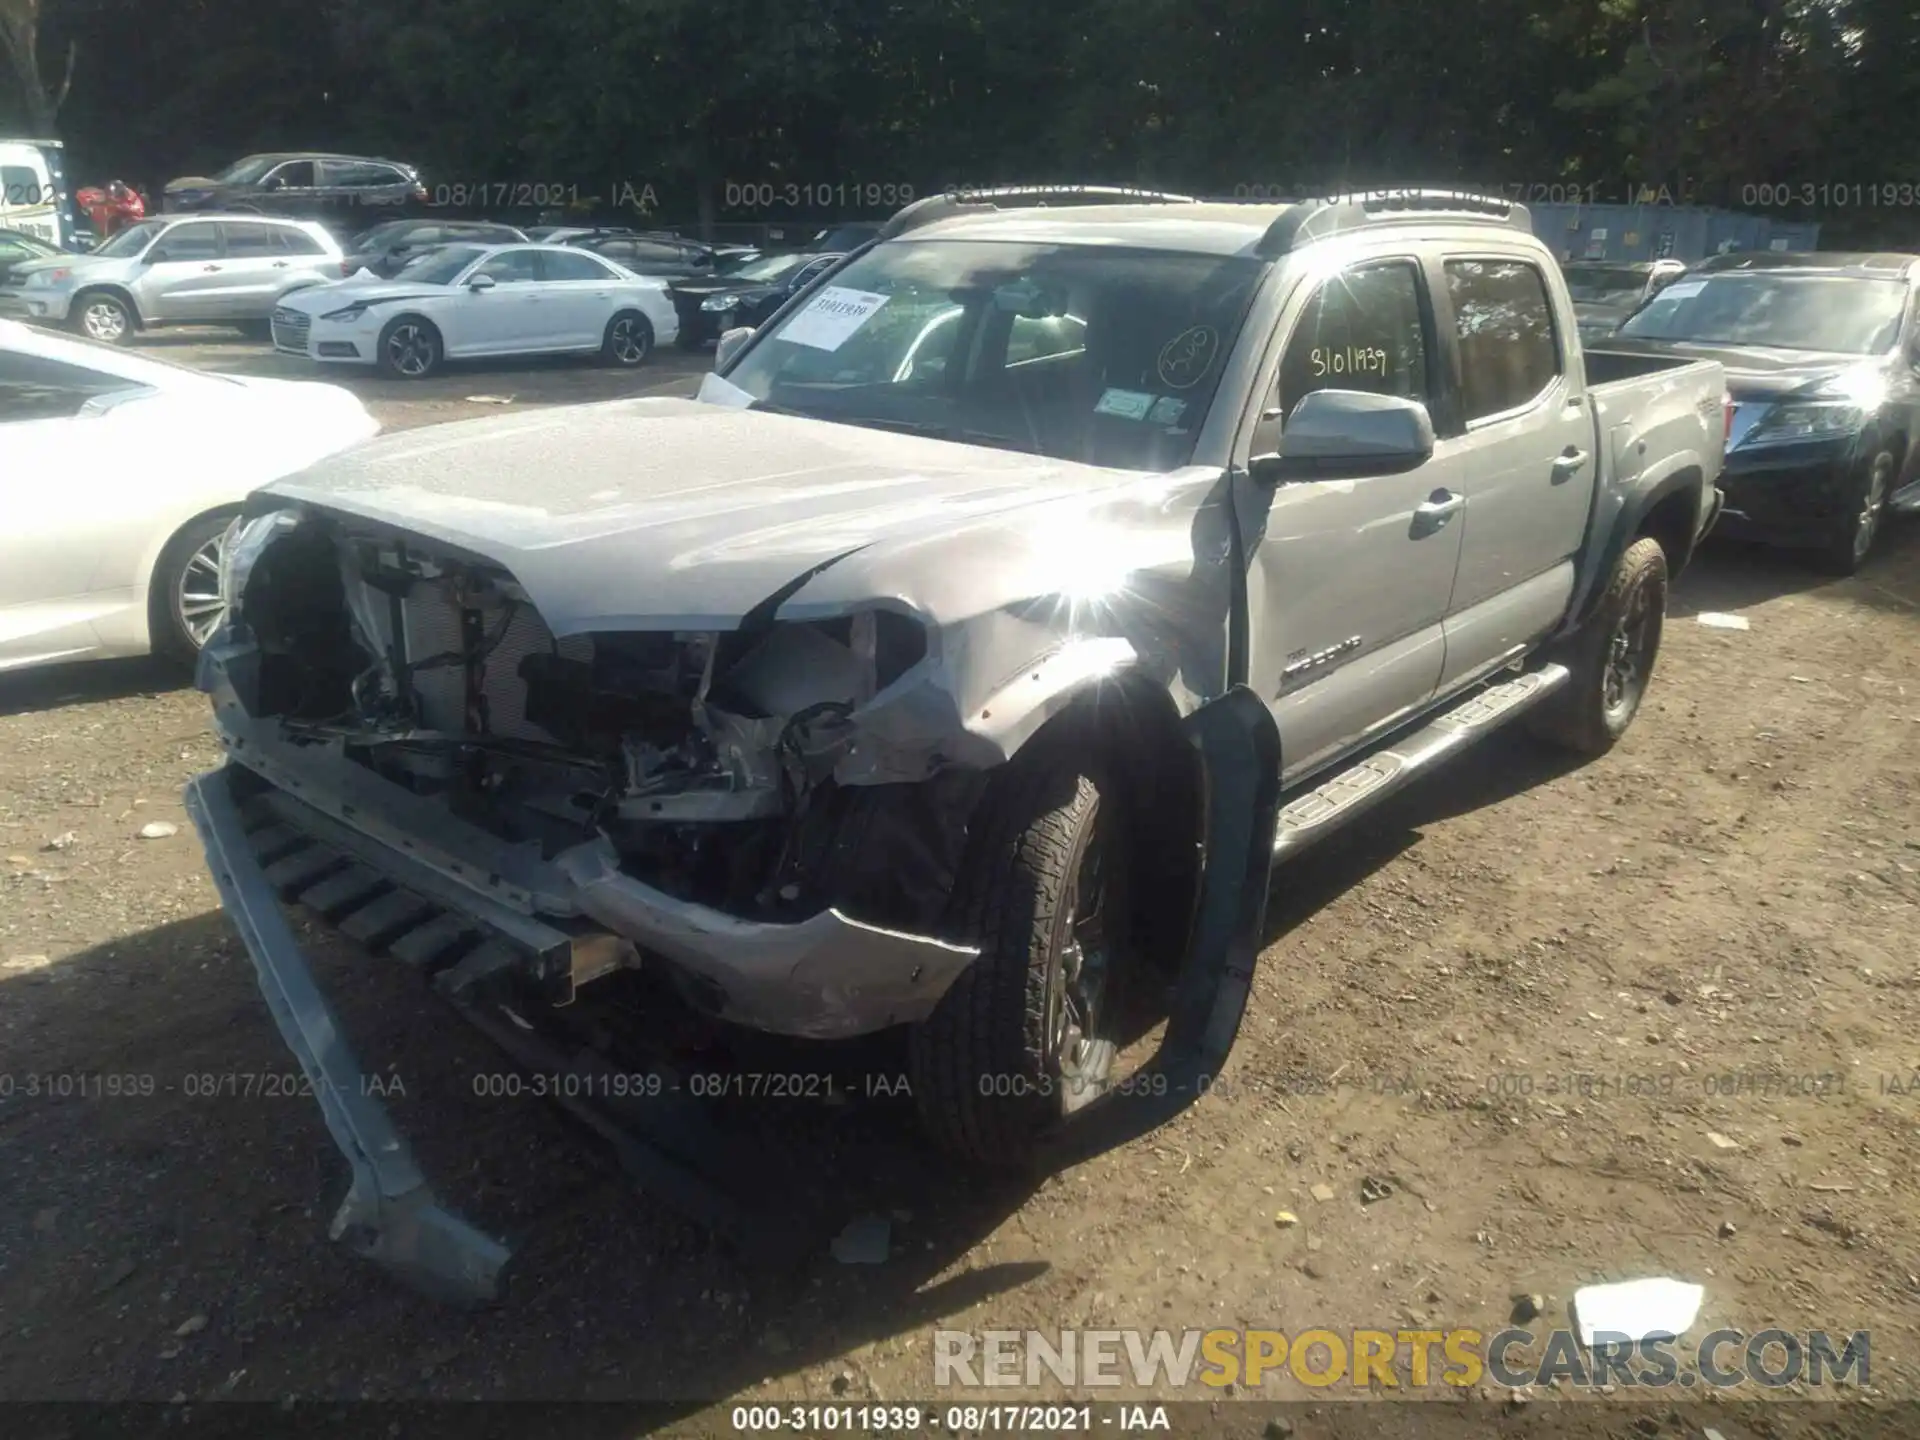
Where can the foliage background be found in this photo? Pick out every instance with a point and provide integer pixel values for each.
(1700, 97)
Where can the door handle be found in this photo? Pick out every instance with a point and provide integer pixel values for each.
(1438, 509)
(209, 269)
(1569, 463)
(279, 264)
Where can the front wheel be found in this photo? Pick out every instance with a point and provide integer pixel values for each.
(1866, 508)
(409, 349)
(256, 329)
(1611, 657)
(1029, 1031)
(100, 315)
(628, 341)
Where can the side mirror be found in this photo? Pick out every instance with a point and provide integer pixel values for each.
(1346, 435)
(153, 256)
(731, 343)
(481, 282)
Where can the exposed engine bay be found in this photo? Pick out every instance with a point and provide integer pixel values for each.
(713, 761)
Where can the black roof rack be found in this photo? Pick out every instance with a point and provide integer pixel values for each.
(1309, 220)
(963, 201)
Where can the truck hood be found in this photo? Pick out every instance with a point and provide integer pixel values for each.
(192, 182)
(1757, 372)
(669, 513)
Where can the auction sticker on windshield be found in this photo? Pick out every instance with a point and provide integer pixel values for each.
(1129, 404)
(1683, 289)
(831, 317)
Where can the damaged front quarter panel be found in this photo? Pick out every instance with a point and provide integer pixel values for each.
(1024, 613)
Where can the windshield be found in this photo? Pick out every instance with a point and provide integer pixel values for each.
(769, 268)
(245, 172)
(378, 235)
(1098, 354)
(1604, 282)
(439, 266)
(1835, 314)
(133, 239)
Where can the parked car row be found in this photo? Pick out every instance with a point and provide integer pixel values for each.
(1822, 353)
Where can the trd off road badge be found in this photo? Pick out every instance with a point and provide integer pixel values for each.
(1300, 662)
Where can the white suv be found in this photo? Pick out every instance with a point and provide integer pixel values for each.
(176, 270)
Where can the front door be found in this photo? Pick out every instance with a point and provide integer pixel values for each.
(1349, 579)
(1529, 470)
(511, 317)
(185, 277)
(57, 475)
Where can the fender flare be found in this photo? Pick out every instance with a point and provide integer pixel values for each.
(118, 292)
(1239, 747)
(1610, 537)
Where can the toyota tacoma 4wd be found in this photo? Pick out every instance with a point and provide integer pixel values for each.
(969, 650)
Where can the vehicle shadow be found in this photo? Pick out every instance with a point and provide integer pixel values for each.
(1728, 576)
(85, 682)
(204, 1180)
(1500, 767)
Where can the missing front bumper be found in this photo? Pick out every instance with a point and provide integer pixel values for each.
(390, 1214)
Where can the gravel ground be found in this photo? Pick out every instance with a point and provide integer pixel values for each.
(1651, 1015)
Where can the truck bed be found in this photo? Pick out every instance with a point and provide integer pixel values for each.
(1611, 367)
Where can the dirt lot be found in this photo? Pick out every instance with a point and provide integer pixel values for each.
(1579, 1020)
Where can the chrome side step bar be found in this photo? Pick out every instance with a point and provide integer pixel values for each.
(1357, 789)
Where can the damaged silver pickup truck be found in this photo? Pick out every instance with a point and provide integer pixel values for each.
(965, 654)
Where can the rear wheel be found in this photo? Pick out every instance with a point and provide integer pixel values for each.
(409, 348)
(102, 315)
(629, 340)
(1029, 1032)
(1866, 508)
(187, 601)
(1611, 657)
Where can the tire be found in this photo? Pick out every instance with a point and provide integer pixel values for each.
(102, 315)
(409, 348)
(188, 571)
(256, 329)
(628, 341)
(1611, 656)
(1867, 509)
(991, 1071)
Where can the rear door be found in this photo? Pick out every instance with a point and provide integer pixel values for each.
(251, 270)
(185, 276)
(1529, 468)
(577, 296)
(301, 259)
(1349, 580)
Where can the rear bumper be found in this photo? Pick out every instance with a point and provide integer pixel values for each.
(390, 1214)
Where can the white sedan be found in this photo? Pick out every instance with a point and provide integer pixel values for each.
(464, 302)
(119, 476)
